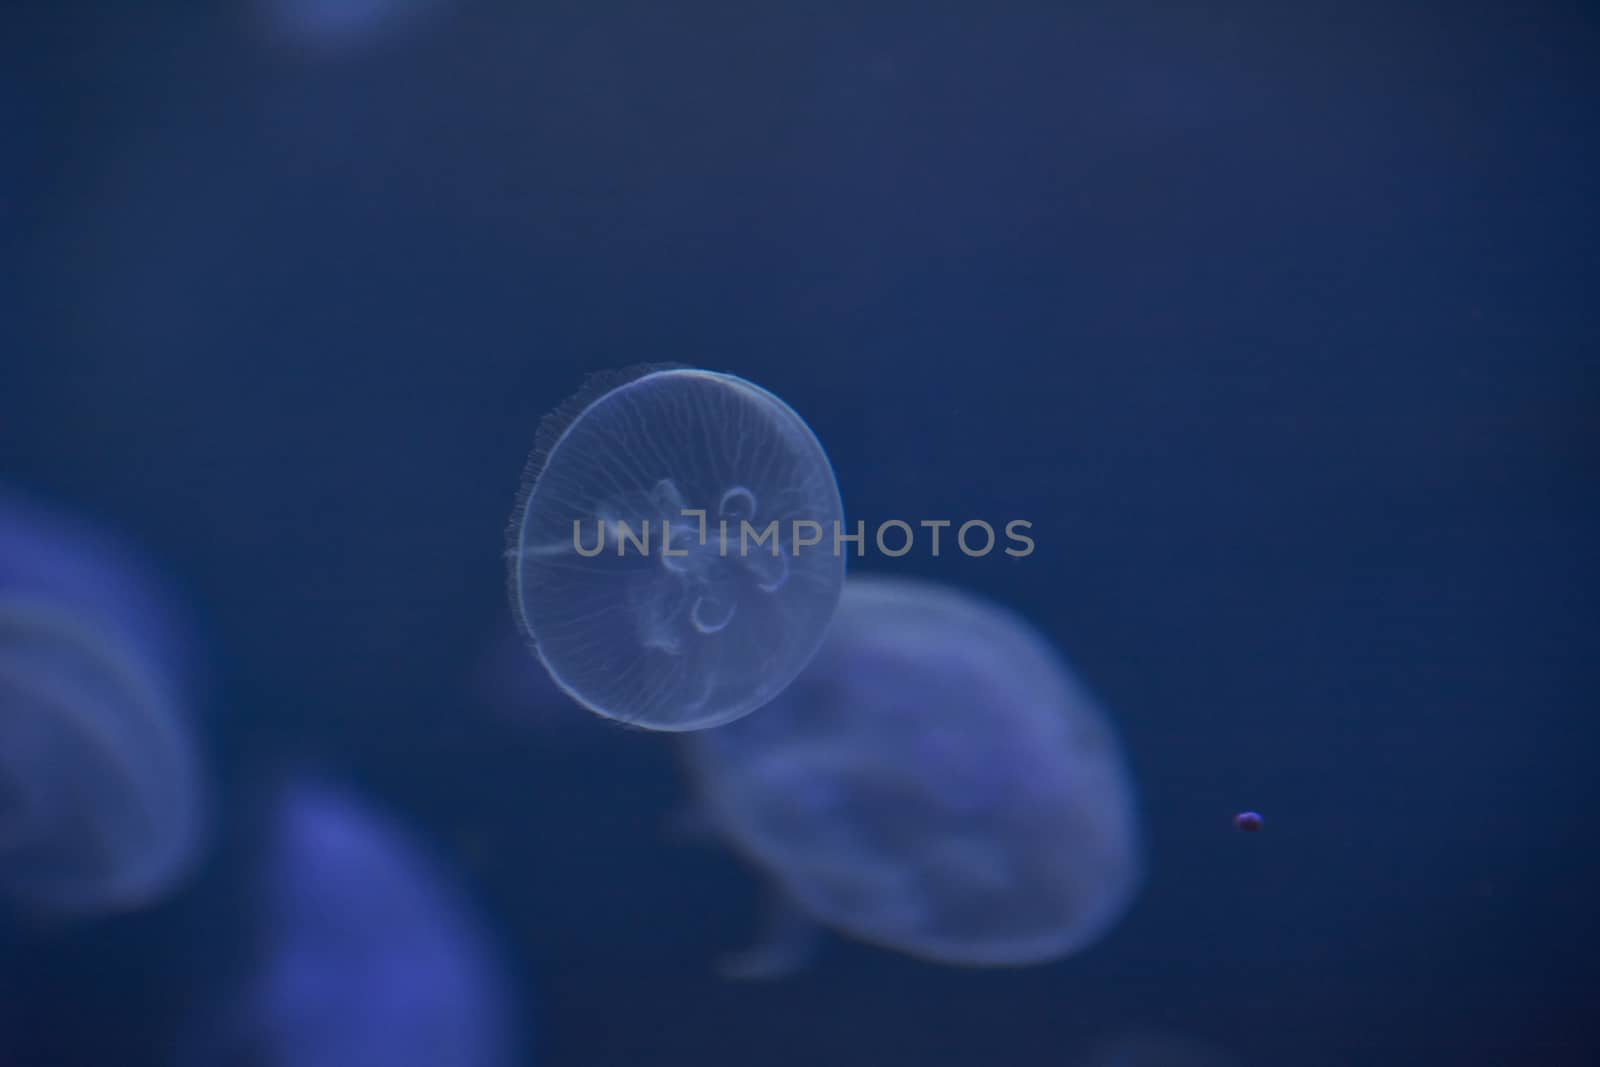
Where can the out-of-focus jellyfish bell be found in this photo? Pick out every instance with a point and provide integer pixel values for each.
(335, 26)
(673, 555)
(366, 956)
(935, 782)
(101, 802)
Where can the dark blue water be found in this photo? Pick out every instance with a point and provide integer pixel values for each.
(1275, 320)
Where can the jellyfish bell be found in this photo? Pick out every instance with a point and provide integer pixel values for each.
(338, 27)
(61, 559)
(672, 555)
(366, 954)
(102, 806)
(935, 782)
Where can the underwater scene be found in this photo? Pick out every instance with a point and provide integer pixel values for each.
(624, 534)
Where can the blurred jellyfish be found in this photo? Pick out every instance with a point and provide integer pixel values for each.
(672, 555)
(366, 955)
(101, 804)
(935, 782)
(334, 26)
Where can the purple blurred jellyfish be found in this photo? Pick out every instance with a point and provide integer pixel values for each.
(367, 955)
(935, 782)
(339, 26)
(101, 802)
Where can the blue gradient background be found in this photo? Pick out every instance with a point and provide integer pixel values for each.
(1276, 320)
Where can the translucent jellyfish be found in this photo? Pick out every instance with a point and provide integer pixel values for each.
(366, 954)
(673, 553)
(101, 804)
(935, 782)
